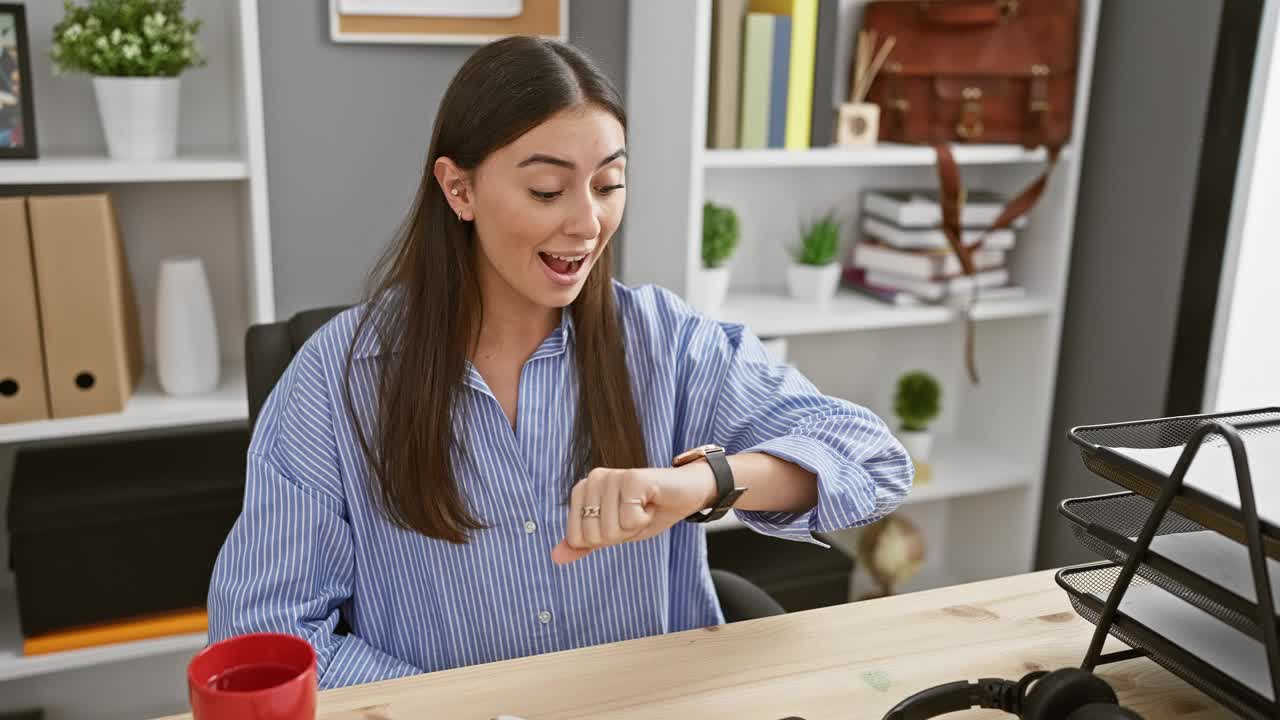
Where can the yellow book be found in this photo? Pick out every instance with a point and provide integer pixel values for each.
(180, 622)
(804, 41)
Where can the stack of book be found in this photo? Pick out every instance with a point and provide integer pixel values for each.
(904, 257)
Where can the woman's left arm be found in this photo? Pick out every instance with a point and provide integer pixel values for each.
(813, 463)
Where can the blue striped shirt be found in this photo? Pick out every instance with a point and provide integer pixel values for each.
(310, 543)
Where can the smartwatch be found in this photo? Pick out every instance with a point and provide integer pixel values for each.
(726, 492)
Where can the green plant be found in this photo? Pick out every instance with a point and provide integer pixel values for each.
(819, 242)
(917, 400)
(126, 38)
(720, 234)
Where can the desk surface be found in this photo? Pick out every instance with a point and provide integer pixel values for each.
(849, 661)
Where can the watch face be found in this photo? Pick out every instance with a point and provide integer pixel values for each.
(699, 452)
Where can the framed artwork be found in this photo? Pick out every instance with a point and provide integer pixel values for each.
(17, 110)
(452, 22)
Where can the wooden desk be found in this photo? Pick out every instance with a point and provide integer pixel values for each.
(851, 661)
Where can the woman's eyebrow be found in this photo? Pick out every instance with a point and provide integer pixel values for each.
(561, 162)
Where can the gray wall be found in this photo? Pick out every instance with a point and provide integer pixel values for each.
(347, 131)
(1146, 120)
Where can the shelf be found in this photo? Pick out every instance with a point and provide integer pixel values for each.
(14, 666)
(70, 169)
(881, 155)
(962, 470)
(775, 314)
(148, 409)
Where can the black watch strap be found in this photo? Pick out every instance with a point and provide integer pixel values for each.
(726, 492)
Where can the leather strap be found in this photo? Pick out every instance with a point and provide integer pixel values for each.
(726, 493)
(952, 195)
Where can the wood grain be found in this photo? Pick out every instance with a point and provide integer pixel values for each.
(849, 661)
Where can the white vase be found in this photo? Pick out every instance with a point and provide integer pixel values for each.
(187, 357)
(710, 289)
(813, 283)
(918, 443)
(139, 116)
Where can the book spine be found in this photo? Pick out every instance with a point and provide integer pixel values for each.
(804, 38)
(726, 73)
(779, 81)
(823, 115)
(757, 55)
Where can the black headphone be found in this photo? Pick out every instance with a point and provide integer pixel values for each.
(1066, 694)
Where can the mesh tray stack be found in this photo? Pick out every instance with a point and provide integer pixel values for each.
(1112, 525)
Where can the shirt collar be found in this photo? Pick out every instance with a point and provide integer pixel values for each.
(368, 344)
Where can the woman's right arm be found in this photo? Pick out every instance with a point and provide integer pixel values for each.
(288, 562)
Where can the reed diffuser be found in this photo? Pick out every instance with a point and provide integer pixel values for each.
(859, 121)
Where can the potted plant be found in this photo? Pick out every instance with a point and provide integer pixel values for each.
(136, 51)
(916, 405)
(814, 273)
(720, 234)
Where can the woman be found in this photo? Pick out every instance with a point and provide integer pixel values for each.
(475, 464)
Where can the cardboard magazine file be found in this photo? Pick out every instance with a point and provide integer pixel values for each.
(89, 313)
(22, 382)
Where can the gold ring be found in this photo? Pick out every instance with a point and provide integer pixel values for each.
(591, 511)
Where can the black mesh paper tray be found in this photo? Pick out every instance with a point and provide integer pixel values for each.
(1096, 441)
(1082, 581)
(1107, 524)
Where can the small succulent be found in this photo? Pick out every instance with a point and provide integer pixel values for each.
(720, 233)
(917, 400)
(819, 242)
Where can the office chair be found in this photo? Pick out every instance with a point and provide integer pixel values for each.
(270, 347)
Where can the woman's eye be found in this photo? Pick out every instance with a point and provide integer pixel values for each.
(606, 189)
(545, 196)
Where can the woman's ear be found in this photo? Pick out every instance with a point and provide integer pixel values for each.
(454, 183)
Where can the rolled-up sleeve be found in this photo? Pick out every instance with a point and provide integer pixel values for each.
(287, 564)
(737, 397)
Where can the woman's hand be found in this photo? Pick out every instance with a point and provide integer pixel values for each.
(632, 505)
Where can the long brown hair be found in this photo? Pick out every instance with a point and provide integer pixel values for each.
(425, 305)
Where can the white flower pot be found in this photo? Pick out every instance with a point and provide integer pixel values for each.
(710, 289)
(813, 283)
(919, 444)
(139, 116)
(187, 357)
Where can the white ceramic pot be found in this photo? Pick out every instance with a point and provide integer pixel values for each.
(813, 283)
(712, 287)
(919, 444)
(139, 116)
(187, 357)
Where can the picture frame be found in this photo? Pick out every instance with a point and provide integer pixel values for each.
(17, 108)
(542, 18)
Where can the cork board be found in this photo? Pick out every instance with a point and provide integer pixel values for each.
(547, 18)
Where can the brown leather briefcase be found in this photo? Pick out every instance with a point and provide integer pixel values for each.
(976, 71)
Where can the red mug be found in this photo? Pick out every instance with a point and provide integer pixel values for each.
(265, 676)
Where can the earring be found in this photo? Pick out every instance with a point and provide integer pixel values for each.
(459, 217)
(454, 192)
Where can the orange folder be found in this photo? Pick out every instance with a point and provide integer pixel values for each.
(180, 622)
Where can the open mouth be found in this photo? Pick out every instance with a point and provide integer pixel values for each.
(565, 265)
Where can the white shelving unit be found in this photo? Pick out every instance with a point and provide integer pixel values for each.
(880, 155)
(980, 512)
(211, 201)
(770, 314)
(94, 169)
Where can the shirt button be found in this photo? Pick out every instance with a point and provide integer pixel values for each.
(544, 617)
(530, 527)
